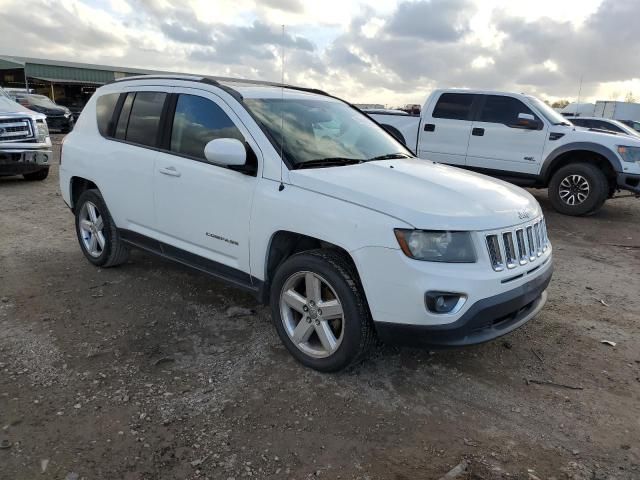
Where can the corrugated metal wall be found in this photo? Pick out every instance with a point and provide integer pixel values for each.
(68, 73)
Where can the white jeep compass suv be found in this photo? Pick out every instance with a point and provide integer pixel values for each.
(303, 200)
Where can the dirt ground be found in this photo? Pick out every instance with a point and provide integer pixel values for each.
(143, 372)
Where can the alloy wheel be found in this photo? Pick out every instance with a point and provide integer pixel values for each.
(574, 189)
(312, 314)
(91, 225)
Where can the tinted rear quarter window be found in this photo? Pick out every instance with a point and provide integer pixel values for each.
(454, 106)
(197, 121)
(501, 109)
(145, 118)
(104, 112)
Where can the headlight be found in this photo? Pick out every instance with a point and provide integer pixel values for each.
(629, 154)
(42, 130)
(436, 246)
(67, 114)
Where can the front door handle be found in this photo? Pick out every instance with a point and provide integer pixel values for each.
(429, 127)
(478, 132)
(171, 171)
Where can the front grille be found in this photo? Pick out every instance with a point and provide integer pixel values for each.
(517, 247)
(15, 129)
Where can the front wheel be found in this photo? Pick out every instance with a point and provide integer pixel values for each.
(320, 312)
(578, 189)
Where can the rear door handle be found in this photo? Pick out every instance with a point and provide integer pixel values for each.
(171, 171)
(429, 127)
(478, 132)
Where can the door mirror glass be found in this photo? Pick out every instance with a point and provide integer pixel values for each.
(225, 151)
(526, 120)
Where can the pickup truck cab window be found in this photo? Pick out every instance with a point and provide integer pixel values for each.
(502, 109)
(196, 122)
(454, 106)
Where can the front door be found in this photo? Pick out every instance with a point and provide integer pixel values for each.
(498, 143)
(202, 208)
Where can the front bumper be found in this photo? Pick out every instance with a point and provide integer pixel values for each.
(485, 320)
(61, 123)
(16, 161)
(629, 181)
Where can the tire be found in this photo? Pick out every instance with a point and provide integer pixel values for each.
(37, 175)
(109, 252)
(353, 332)
(572, 182)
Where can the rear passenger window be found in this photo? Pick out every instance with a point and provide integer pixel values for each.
(123, 120)
(197, 121)
(455, 106)
(104, 112)
(144, 119)
(505, 110)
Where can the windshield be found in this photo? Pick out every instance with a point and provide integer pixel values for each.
(549, 113)
(3, 93)
(317, 130)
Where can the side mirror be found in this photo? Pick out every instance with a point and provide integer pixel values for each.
(225, 151)
(528, 121)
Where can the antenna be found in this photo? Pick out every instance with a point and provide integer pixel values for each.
(579, 93)
(281, 187)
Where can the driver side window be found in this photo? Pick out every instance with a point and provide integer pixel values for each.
(501, 109)
(196, 122)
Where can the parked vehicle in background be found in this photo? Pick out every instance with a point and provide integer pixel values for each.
(521, 139)
(604, 124)
(58, 117)
(632, 123)
(301, 199)
(25, 146)
(617, 110)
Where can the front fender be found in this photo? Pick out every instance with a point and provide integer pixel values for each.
(554, 156)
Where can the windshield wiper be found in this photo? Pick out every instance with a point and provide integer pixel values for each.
(389, 156)
(328, 162)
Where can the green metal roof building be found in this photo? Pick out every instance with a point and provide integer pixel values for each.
(67, 83)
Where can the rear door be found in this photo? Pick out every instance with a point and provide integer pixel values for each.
(499, 143)
(444, 136)
(127, 180)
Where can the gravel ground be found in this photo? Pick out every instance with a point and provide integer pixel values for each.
(153, 371)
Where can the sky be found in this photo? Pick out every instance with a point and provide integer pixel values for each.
(365, 51)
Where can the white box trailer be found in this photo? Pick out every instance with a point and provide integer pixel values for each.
(617, 110)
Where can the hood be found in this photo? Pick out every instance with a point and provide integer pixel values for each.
(587, 135)
(424, 194)
(10, 108)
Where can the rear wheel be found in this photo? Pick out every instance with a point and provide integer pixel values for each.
(37, 175)
(97, 233)
(320, 312)
(578, 189)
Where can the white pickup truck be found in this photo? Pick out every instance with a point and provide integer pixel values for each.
(520, 139)
(25, 146)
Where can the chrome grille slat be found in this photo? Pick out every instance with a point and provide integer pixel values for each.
(14, 129)
(515, 248)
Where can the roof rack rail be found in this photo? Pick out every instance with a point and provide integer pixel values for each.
(216, 81)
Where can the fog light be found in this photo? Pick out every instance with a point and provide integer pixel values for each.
(444, 302)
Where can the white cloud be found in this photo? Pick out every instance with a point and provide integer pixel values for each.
(380, 51)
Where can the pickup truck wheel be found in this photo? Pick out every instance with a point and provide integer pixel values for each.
(37, 175)
(97, 233)
(320, 312)
(578, 189)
